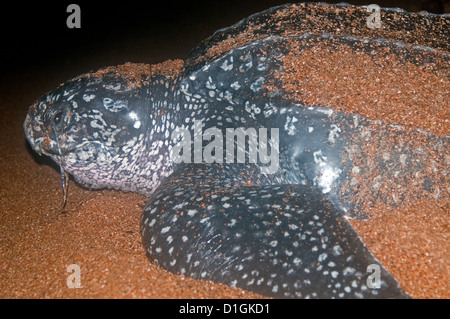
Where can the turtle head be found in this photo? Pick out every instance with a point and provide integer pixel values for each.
(89, 125)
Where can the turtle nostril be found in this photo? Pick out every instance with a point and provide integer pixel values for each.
(58, 117)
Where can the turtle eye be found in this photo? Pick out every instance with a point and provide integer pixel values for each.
(58, 117)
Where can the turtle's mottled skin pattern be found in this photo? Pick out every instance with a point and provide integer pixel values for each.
(281, 234)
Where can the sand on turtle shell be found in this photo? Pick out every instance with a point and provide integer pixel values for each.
(99, 230)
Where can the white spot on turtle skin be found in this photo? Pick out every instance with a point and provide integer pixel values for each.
(359, 295)
(226, 66)
(235, 85)
(210, 84)
(236, 249)
(349, 271)
(134, 117)
(178, 206)
(165, 230)
(256, 86)
(114, 106)
(337, 250)
(113, 87)
(289, 126)
(319, 158)
(89, 97)
(192, 212)
(261, 67)
(333, 133)
(326, 111)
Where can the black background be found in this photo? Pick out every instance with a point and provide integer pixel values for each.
(35, 35)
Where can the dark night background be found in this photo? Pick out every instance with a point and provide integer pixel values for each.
(34, 36)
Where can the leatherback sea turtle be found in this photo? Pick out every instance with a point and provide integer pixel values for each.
(250, 185)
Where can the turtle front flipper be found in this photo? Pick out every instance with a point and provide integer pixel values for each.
(284, 241)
